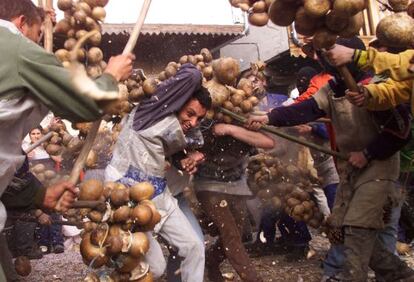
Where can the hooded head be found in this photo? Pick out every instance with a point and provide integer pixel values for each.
(354, 43)
(304, 77)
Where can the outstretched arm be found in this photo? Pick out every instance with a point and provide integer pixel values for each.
(253, 138)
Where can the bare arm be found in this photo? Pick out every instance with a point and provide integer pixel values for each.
(253, 138)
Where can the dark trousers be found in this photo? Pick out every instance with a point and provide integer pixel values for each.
(293, 233)
(20, 234)
(51, 235)
(229, 218)
(364, 250)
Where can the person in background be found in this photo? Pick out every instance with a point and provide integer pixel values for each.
(221, 188)
(367, 177)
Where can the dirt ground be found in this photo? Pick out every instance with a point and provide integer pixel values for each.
(68, 267)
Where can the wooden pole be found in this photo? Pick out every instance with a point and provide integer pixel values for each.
(80, 161)
(48, 28)
(279, 133)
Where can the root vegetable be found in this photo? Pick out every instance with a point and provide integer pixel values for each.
(348, 8)
(62, 55)
(140, 244)
(90, 252)
(206, 55)
(396, 30)
(323, 38)
(114, 245)
(335, 23)
(53, 149)
(63, 26)
(317, 8)
(95, 55)
(149, 86)
(282, 13)
(141, 191)
(121, 214)
(226, 70)
(354, 25)
(119, 197)
(170, 71)
(98, 14)
(259, 7)
(236, 99)
(304, 24)
(94, 71)
(218, 92)
(90, 190)
(64, 4)
(69, 44)
(141, 214)
(22, 266)
(258, 19)
(208, 72)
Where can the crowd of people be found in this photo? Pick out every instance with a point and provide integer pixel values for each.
(365, 198)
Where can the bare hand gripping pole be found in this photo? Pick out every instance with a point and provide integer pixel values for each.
(279, 133)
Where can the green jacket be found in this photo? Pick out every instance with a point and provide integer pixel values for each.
(27, 69)
(32, 82)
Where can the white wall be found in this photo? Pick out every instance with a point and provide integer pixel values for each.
(261, 43)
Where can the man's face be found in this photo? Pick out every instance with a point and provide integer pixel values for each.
(31, 31)
(191, 114)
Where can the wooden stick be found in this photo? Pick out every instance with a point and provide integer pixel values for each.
(39, 142)
(87, 146)
(48, 28)
(80, 161)
(348, 79)
(98, 205)
(132, 41)
(273, 130)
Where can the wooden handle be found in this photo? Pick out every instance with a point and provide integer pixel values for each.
(98, 205)
(348, 79)
(87, 146)
(48, 25)
(39, 142)
(273, 130)
(132, 41)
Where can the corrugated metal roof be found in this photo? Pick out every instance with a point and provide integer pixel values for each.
(177, 29)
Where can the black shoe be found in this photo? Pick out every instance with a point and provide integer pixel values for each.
(34, 253)
(58, 249)
(296, 253)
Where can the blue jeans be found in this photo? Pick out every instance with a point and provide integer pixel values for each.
(330, 192)
(294, 233)
(335, 257)
(51, 235)
(174, 261)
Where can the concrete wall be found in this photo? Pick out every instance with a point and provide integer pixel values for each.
(261, 43)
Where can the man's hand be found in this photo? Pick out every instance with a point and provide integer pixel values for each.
(357, 98)
(120, 66)
(190, 163)
(303, 129)
(44, 219)
(56, 194)
(339, 55)
(357, 159)
(255, 122)
(52, 14)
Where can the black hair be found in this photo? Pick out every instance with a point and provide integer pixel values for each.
(11, 9)
(203, 96)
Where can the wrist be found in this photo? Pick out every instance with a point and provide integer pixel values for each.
(114, 75)
(367, 154)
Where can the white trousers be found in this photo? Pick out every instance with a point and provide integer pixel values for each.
(178, 232)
